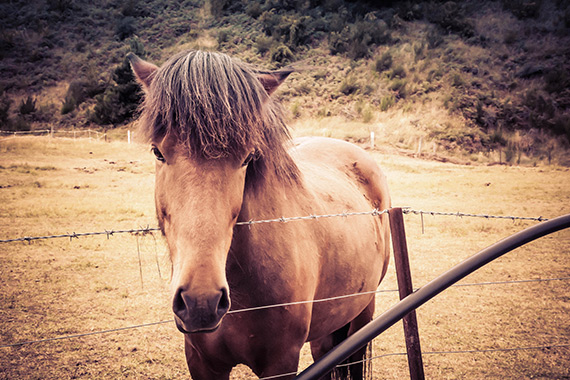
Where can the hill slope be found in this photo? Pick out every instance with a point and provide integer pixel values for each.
(471, 76)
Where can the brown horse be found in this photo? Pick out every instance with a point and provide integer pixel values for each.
(224, 156)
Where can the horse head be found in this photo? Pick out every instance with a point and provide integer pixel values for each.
(209, 120)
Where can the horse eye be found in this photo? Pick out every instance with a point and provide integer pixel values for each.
(157, 154)
(248, 159)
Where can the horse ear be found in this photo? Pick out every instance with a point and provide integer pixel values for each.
(272, 79)
(144, 71)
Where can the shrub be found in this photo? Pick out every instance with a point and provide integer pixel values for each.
(120, 101)
(263, 44)
(349, 85)
(367, 114)
(281, 54)
(125, 27)
(561, 126)
(457, 80)
(557, 80)
(28, 106)
(21, 124)
(59, 5)
(387, 102)
(223, 36)
(79, 91)
(356, 39)
(383, 63)
(397, 72)
(299, 31)
(270, 23)
(434, 38)
(409, 10)
(254, 9)
(523, 8)
(217, 6)
(5, 103)
(451, 17)
(68, 105)
(399, 85)
(339, 41)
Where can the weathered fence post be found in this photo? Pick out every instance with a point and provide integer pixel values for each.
(405, 288)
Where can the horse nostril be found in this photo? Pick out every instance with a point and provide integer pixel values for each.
(178, 304)
(223, 303)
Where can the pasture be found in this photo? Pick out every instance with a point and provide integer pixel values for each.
(59, 287)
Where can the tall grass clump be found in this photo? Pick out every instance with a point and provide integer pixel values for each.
(383, 63)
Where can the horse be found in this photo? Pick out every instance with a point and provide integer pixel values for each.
(225, 157)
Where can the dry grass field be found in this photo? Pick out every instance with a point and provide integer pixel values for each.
(61, 287)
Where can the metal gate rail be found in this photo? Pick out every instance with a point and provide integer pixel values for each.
(360, 338)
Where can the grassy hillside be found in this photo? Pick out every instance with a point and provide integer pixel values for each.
(488, 80)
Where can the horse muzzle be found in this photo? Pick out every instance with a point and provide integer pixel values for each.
(199, 313)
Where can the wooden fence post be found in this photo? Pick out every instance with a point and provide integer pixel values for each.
(405, 288)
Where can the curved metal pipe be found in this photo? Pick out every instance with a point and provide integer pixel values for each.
(360, 338)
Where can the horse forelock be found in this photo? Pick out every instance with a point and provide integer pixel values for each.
(216, 107)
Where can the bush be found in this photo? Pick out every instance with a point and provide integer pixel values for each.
(68, 105)
(387, 102)
(281, 54)
(349, 86)
(28, 106)
(356, 39)
(457, 80)
(21, 124)
(451, 17)
(223, 36)
(523, 8)
(254, 9)
(79, 91)
(383, 63)
(557, 80)
(434, 38)
(399, 85)
(5, 103)
(125, 27)
(60, 5)
(397, 72)
(263, 44)
(120, 101)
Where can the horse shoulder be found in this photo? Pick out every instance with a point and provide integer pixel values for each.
(349, 159)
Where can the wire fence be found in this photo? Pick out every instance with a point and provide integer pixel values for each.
(258, 308)
(85, 133)
(374, 212)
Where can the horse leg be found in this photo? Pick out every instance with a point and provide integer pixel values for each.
(361, 368)
(355, 371)
(320, 347)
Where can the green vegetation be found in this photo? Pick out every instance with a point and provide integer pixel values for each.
(499, 68)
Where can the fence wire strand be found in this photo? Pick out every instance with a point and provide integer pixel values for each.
(277, 305)
(374, 212)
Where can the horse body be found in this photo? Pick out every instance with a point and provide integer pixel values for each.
(219, 266)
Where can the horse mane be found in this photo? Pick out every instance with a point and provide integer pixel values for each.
(217, 108)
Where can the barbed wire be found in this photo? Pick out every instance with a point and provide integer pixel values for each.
(407, 210)
(374, 212)
(74, 235)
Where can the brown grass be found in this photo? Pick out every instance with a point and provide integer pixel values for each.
(59, 287)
